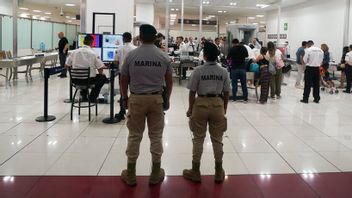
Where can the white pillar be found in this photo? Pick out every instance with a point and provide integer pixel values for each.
(145, 13)
(83, 17)
(278, 24)
(347, 23)
(14, 27)
(123, 9)
(200, 19)
(167, 25)
(182, 15)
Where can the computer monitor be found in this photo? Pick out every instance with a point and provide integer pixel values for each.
(109, 54)
(112, 41)
(110, 44)
(97, 40)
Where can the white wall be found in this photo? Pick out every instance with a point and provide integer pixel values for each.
(350, 31)
(145, 13)
(321, 21)
(6, 7)
(123, 9)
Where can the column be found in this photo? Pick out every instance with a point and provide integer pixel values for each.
(83, 17)
(347, 24)
(278, 25)
(167, 24)
(200, 19)
(14, 27)
(182, 16)
(124, 12)
(145, 13)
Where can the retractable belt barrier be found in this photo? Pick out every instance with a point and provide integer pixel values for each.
(112, 119)
(47, 73)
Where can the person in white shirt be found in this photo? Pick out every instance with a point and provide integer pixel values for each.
(120, 57)
(313, 59)
(84, 58)
(348, 70)
(191, 46)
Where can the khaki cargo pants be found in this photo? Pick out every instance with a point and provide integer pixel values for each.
(143, 108)
(208, 111)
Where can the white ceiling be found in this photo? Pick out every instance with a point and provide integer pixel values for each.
(244, 8)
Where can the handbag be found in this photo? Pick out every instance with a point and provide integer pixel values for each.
(254, 67)
(272, 68)
(286, 69)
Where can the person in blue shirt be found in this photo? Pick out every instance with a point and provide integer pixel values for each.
(300, 64)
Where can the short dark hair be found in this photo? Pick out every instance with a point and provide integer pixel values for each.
(235, 41)
(304, 43)
(147, 33)
(263, 50)
(211, 51)
(88, 40)
(271, 46)
(127, 37)
(310, 42)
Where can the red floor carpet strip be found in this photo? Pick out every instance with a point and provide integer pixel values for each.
(334, 185)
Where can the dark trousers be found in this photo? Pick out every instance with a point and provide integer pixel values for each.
(348, 72)
(311, 79)
(264, 84)
(239, 74)
(99, 81)
(62, 59)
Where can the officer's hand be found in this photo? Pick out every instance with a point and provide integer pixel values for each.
(189, 113)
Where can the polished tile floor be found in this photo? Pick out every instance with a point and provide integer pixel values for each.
(281, 137)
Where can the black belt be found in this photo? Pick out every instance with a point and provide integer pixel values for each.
(152, 93)
(209, 95)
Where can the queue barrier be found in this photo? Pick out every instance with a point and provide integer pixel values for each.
(47, 73)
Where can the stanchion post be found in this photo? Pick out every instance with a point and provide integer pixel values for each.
(46, 117)
(112, 119)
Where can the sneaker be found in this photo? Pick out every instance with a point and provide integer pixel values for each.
(344, 91)
(304, 101)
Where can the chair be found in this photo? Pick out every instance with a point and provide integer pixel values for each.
(82, 75)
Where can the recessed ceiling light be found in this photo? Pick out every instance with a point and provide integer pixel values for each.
(251, 18)
(24, 15)
(194, 25)
(70, 4)
(22, 8)
(233, 4)
(260, 16)
(69, 21)
(172, 9)
(176, 9)
(48, 13)
(262, 22)
(206, 2)
(255, 23)
(262, 5)
(37, 11)
(68, 17)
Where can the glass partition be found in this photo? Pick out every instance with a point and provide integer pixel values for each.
(42, 33)
(6, 33)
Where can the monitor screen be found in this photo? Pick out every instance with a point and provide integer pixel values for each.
(96, 43)
(109, 54)
(112, 41)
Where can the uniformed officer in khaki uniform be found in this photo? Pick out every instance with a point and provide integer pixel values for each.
(211, 83)
(145, 71)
